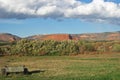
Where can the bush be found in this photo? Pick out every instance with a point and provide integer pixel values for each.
(116, 48)
(57, 48)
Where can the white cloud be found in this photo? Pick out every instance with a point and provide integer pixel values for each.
(96, 11)
(6, 21)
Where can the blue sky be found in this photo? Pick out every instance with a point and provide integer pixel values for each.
(32, 26)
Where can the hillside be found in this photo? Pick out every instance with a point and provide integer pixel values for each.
(87, 36)
(58, 37)
(8, 37)
(63, 44)
(61, 37)
(97, 36)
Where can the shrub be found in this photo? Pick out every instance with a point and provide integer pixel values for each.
(56, 48)
(116, 48)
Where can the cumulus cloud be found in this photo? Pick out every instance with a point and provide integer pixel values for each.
(96, 11)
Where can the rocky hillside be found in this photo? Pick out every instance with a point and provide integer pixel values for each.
(60, 37)
(8, 37)
(97, 36)
(87, 36)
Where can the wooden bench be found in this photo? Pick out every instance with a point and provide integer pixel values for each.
(17, 69)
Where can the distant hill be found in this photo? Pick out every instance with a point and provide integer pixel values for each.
(8, 37)
(97, 36)
(60, 37)
(87, 36)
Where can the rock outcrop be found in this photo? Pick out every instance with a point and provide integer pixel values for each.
(58, 37)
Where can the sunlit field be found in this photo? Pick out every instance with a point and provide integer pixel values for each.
(80, 67)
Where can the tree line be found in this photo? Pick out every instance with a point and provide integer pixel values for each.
(26, 47)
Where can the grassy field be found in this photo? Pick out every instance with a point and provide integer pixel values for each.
(81, 67)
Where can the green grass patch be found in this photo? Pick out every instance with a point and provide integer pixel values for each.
(82, 67)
